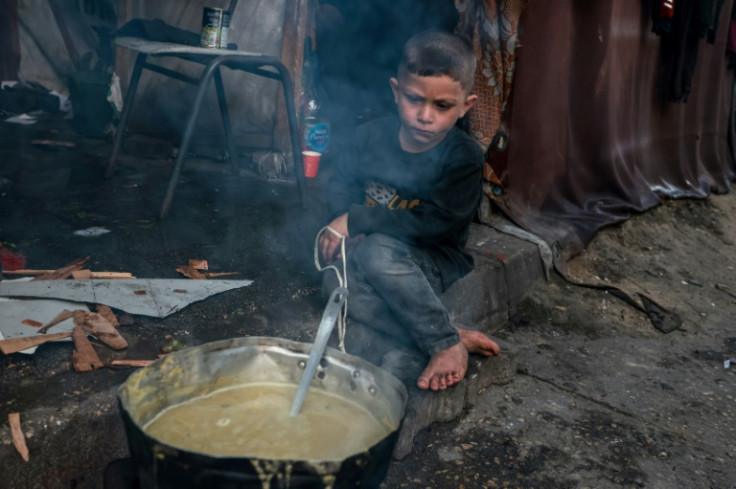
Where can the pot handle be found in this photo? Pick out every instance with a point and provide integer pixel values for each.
(334, 305)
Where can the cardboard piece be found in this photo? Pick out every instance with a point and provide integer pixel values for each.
(147, 297)
(13, 312)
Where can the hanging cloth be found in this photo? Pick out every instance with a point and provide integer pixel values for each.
(683, 24)
(493, 28)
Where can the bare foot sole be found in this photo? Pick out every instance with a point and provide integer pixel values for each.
(478, 343)
(445, 368)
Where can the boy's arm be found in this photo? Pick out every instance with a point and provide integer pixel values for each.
(344, 189)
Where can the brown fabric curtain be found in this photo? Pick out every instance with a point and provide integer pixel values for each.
(9, 44)
(591, 140)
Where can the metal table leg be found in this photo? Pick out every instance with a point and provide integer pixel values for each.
(293, 129)
(222, 101)
(140, 60)
(186, 139)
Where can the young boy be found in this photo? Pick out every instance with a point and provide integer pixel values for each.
(404, 202)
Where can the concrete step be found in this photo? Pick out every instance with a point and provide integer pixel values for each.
(505, 268)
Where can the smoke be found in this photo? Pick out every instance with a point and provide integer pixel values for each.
(59, 38)
(359, 47)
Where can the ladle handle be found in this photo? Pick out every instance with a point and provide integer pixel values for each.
(332, 311)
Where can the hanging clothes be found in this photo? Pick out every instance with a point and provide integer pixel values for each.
(683, 24)
(662, 13)
(493, 28)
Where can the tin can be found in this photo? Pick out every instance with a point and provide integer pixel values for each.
(211, 27)
(224, 30)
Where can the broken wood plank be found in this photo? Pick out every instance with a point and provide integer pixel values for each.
(191, 273)
(19, 440)
(31, 323)
(64, 272)
(62, 316)
(14, 345)
(85, 274)
(113, 275)
(107, 313)
(219, 274)
(84, 357)
(131, 363)
(26, 271)
(99, 327)
(198, 264)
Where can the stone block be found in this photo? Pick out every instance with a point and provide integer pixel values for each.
(479, 300)
(520, 259)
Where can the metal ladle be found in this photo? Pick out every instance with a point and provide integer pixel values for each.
(332, 311)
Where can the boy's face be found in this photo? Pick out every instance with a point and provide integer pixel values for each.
(428, 106)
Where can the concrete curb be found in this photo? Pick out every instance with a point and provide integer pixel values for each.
(505, 268)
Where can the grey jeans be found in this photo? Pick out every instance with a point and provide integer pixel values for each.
(394, 299)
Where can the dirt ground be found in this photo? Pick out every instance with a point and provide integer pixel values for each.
(601, 398)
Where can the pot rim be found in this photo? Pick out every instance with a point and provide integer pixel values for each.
(382, 376)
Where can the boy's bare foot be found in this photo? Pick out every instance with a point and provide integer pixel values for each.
(445, 368)
(478, 343)
(449, 366)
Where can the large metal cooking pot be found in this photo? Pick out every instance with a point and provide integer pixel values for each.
(201, 370)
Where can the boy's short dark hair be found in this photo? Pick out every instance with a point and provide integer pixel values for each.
(437, 53)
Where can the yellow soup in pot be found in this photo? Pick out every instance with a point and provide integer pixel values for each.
(253, 420)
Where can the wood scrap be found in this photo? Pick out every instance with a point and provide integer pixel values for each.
(131, 363)
(193, 271)
(62, 316)
(95, 324)
(19, 440)
(14, 345)
(82, 274)
(112, 275)
(26, 271)
(198, 264)
(107, 313)
(84, 357)
(219, 274)
(86, 274)
(64, 272)
(190, 272)
(32, 323)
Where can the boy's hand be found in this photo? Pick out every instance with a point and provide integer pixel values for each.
(329, 242)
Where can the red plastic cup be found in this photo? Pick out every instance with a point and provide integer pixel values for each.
(311, 163)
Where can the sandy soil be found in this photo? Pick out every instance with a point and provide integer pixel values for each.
(602, 398)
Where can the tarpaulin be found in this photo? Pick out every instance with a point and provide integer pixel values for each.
(591, 140)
